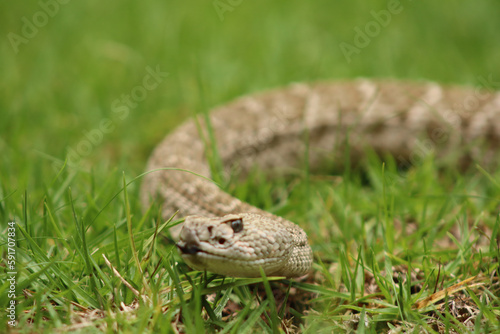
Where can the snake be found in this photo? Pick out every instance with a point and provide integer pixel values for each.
(277, 131)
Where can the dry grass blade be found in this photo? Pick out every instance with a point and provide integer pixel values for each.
(124, 281)
(435, 297)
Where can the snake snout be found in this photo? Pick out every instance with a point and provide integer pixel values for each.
(189, 243)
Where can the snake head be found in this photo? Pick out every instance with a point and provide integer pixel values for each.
(240, 244)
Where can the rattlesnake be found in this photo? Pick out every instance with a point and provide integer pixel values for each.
(274, 130)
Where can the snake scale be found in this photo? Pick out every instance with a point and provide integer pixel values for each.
(225, 235)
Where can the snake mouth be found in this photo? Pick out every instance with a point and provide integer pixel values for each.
(194, 251)
(188, 249)
(236, 267)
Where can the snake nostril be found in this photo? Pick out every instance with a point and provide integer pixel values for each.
(210, 228)
(222, 241)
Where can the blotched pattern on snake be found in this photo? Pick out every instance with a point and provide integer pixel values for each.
(227, 236)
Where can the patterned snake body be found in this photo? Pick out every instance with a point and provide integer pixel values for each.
(227, 236)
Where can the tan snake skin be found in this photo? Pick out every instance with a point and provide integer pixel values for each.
(230, 237)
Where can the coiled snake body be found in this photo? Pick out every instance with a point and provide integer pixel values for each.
(227, 236)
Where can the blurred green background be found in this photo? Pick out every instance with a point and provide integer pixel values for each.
(67, 69)
(63, 65)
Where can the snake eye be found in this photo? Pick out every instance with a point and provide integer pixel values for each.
(237, 225)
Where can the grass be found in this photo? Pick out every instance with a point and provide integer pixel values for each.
(390, 252)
